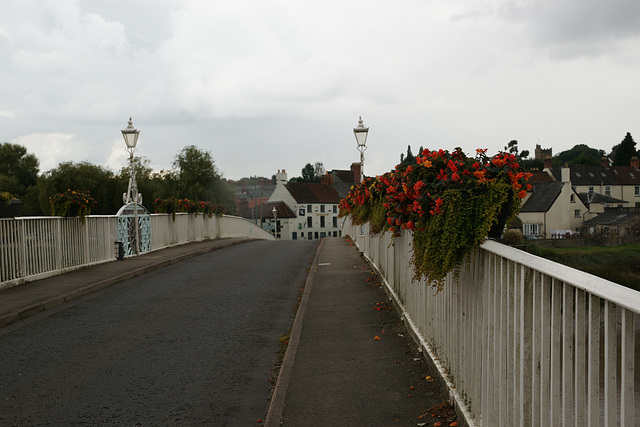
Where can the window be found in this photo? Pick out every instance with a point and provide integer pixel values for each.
(335, 222)
(607, 190)
(323, 235)
(637, 191)
(335, 234)
(531, 229)
(590, 189)
(310, 235)
(309, 221)
(321, 208)
(315, 234)
(322, 222)
(335, 209)
(309, 208)
(576, 213)
(572, 199)
(294, 236)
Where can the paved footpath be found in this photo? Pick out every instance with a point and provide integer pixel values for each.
(350, 362)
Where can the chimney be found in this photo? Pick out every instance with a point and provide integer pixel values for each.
(281, 177)
(604, 162)
(565, 173)
(355, 168)
(327, 179)
(635, 163)
(548, 162)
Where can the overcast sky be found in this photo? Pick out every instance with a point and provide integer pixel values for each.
(266, 85)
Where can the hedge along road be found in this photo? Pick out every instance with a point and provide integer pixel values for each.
(192, 344)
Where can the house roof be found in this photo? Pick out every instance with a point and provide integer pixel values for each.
(626, 175)
(543, 197)
(587, 175)
(589, 198)
(304, 192)
(613, 217)
(343, 175)
(538, 176)
(282, 209)
(342, 188)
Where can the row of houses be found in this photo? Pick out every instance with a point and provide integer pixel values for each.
(568, 200)
(301, 211)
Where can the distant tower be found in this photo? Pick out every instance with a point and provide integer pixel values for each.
(542, 153)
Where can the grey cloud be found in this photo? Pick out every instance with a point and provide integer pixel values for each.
(574, 28)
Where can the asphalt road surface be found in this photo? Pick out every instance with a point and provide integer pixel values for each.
(190, 344)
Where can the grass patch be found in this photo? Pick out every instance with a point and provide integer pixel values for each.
(619, 264)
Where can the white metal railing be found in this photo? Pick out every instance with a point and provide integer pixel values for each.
(36, 247)
(519, 339)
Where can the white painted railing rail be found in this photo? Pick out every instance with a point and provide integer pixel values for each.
(521, 340)
(36, 247)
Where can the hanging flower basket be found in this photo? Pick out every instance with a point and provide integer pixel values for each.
(450, 202)
(72, 204)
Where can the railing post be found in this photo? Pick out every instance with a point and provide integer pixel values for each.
(59, 244)
(23, 249)
(85, 253)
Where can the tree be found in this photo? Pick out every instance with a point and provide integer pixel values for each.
(580, 154)
(150, 184)
(196, 177)
(623, 152)
(512, 148)
(99, 181)
(409, 159)
(18, 173)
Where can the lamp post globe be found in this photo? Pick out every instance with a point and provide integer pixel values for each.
(361, 133)
(130, 135)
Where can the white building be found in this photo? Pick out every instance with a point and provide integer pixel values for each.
(304, 211)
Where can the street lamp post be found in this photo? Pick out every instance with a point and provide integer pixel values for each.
(130, 135)
(274, 211)
(361, 138)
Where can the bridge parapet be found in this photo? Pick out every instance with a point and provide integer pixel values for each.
(520, 340)
(32, 248)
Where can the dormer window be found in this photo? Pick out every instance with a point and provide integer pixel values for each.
(578, 175)
(591, 175)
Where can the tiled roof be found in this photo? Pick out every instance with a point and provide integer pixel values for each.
(343, 188)
(587, 175)
(283, 210)
(626, 175)
(612, 217)
(539, 177)
(313, 193)
(343, 175)
(543, 197)
(589, 198)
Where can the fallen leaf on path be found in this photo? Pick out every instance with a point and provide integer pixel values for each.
(376, 338)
